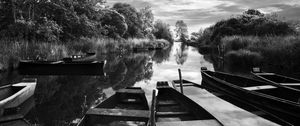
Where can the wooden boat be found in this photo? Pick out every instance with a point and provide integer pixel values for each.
(275, 99)
(15, 116)
(277, 79)
(125, 106)
(13, 95)
(174, 108)
(33, 67)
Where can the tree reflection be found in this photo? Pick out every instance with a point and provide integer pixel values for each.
(181, 54)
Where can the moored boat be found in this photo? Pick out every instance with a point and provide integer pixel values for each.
(15, 116)
(174, 108)
(275, 99)
(33, 67)
(126, 106)
(277, 79)
(13, 95)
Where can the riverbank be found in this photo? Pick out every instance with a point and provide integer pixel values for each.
(279, 54)
(12, 52)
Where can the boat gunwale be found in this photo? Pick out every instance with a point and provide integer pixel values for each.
(251, 92)
(261, 74)
(25, 86)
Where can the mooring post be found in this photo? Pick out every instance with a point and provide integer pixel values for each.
(180, 79)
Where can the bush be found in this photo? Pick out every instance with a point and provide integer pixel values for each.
(243, 59)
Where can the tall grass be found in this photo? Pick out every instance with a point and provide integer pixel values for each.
(280, 53)
(12, 52)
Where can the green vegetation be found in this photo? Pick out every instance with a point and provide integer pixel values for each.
(250, 23)
(271, 52)
(54, 29)
(54, 21)
(181, 31)
(254, 39)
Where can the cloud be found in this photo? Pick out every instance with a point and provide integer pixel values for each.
(200, 13)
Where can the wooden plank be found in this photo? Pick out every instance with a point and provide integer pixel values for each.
(253, 88)
(185, 84)
(290, 84)
(167, 103)
(171, 113)
(223, 111)
(11, 117)
(210, 122)
(118, 113)
(131, 91)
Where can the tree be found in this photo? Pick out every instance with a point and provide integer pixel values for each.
(147, 18)
(132, 18)
(162, 31)
(181, 31)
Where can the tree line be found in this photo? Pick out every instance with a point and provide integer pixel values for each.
(65, 20)
(251, 23)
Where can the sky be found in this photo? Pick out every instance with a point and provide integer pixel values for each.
(199, 14)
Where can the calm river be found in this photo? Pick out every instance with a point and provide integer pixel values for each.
(62, 100)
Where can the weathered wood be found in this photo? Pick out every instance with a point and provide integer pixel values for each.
(171, 113)
(180, 80)
(152, 109)
(223, 111)
(131, 91)
(118, 113)
(262, 87)
(167, 103)
(18, 94)
(210, 122)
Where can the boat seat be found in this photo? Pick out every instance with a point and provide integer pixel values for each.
(131, 91)
(208, 122)
(119, 113)
(171, 113)
(167, 103)
(185, 84)
(262, 87)
(131, 100)
(290, 84)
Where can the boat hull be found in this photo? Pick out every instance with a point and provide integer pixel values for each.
(276, 106)
(61, 68)
(12, 101)
(126, 105)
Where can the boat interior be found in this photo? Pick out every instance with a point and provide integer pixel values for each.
(8, 91)
(279, 78)
(258, 86)
(173, 106)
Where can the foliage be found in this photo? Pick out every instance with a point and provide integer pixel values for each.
(280, 54)
(251, 22)
(132, 19)
(162, 31)
(181, 31)
(43, 20)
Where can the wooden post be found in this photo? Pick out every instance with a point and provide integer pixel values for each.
(153, 109)
(180, 79)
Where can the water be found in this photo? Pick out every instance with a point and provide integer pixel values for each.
(63, 100)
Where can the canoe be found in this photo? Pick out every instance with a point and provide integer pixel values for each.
(33, 67)
(12, 96)
(275, 99)
(174, 108)
(15, 116)
(127, 105)
(277, 79)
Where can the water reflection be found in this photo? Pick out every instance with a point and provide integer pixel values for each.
(61, 100)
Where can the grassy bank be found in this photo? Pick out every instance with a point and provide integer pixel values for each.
(273, 53)
(12, 52)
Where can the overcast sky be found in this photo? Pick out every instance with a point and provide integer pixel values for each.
(203, 13)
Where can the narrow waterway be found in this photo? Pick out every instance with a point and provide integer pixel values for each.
(62, 100)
